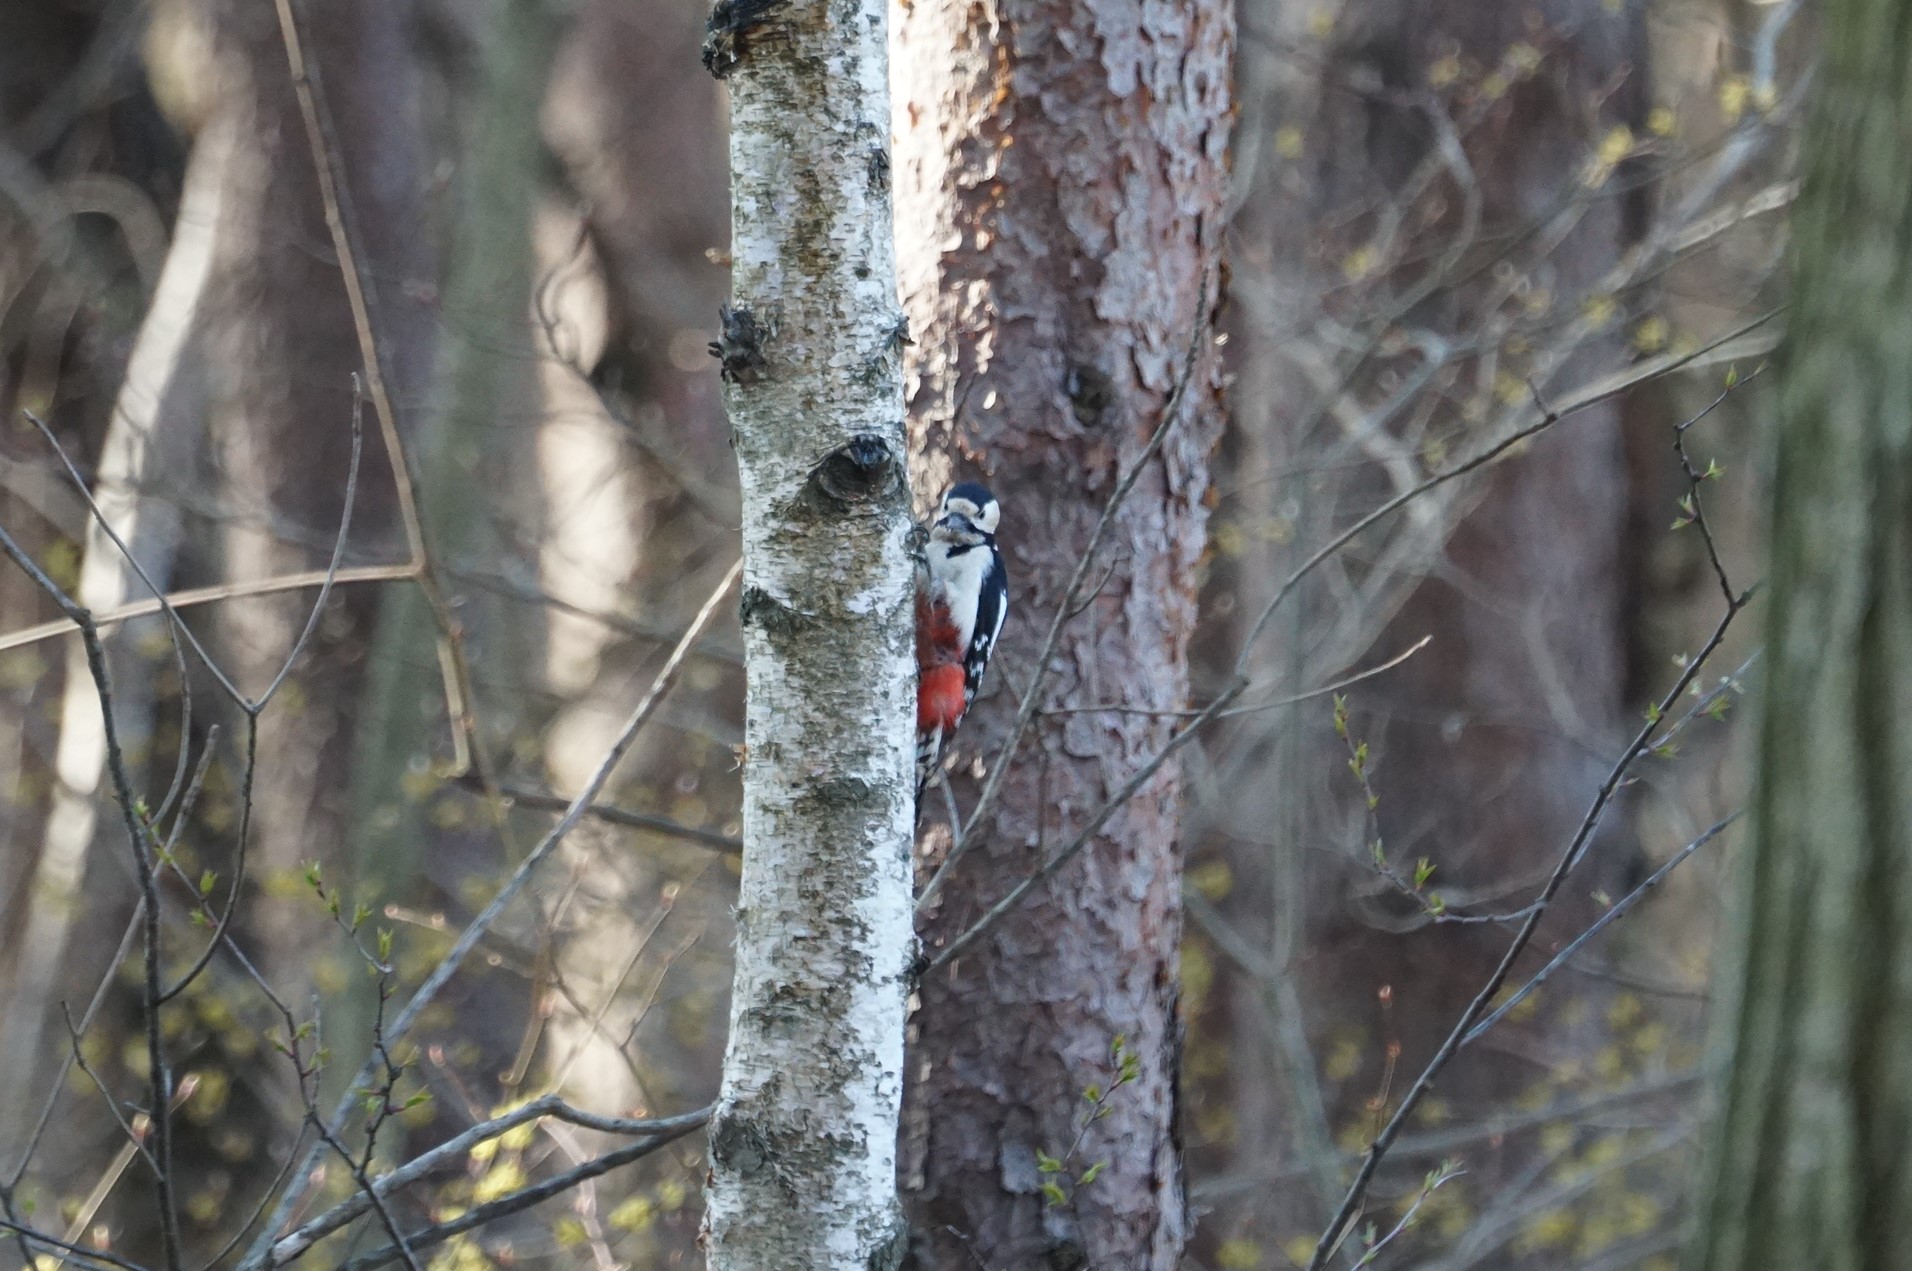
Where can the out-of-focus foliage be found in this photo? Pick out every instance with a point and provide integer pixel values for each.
(1446, 221)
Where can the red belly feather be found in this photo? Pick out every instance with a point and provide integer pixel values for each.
(940, 695)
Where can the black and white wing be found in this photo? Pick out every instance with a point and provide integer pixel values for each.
(992, 607)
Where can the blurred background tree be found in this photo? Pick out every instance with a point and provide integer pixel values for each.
(1439, 225)
(1808, 1163)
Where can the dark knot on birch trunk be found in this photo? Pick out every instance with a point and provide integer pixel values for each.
(739, 347)
(862, 470)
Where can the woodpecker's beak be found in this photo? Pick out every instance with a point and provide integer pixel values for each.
(956, 523)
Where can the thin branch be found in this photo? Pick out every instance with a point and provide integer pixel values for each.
(132, 561)
(335, 198)
(523, 1198)
(454, 1150)
(1592, 395)
(1614, 913)
(133, 1137)
(158, 1074)
(93, 1257)
(86, 1021)
(537, 801)
(442, 973)
(1016, 894)
(1576, 846)
(173, 601)
(1252, 707)
(338, 551)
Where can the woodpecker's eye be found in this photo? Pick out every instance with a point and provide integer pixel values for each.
(985, 517)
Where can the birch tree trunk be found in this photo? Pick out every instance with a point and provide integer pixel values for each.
(1061, 183)
(1810, 1165)
(803, 1143)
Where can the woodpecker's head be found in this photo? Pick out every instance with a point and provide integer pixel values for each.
(968, 516)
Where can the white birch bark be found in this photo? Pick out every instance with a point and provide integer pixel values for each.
(803, 1143)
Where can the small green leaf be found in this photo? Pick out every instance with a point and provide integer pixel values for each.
(1091, 1174)
(1053, 1191)
(1423, 870)
(207, 881)
(1047, 1164)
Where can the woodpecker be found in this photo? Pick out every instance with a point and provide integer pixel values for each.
(962, 597)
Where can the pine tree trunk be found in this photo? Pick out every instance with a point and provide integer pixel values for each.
(1061, 184)
(1810, 1161)
(803, 1144)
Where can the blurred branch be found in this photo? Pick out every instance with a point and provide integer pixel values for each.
(1598, 391)
(1614, 913)
(449, 964)
(335, 196)
(173, 601)
(92, 1257)
(1457, 1037)
(525, 797)
(662, 1129)
(526, 1197)
(159, 1076)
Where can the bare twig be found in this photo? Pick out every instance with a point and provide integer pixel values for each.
(335, 197)
(1477, 1008)
(92, 1257)
(1109, 808)
(523, 1198)
(1614, 913)
(449, 964)
(1588, 396)
(656, 1131)
(159, 1076)
(536, 800)
(173, 601)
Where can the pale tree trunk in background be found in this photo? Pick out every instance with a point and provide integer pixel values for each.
(1061, 179)
(803, 1142)
(156, 424)
(1810, 1164)
(91, 350)
(281, 365)
(632, 447)
(472, 456)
